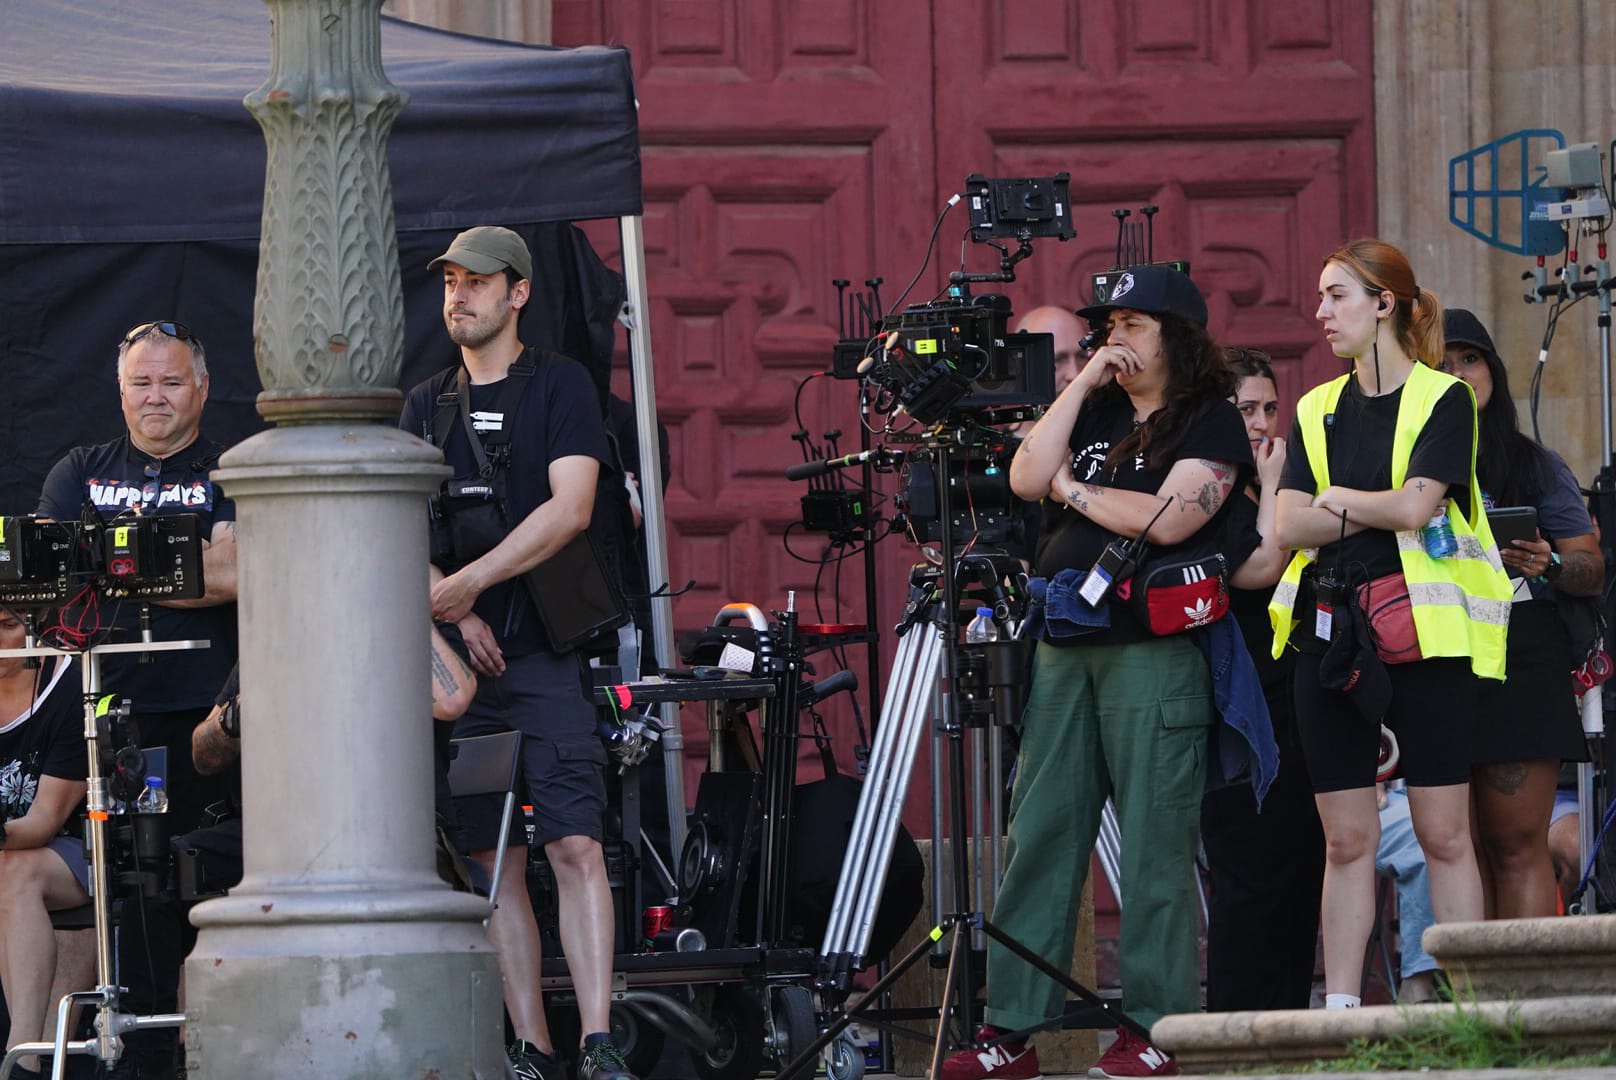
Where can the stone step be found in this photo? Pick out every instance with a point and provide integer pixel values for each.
(1210, 1042)
(1521, 959)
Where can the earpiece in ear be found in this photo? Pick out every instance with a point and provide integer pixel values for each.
(1384, 307)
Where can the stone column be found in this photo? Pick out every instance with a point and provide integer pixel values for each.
(340, 954)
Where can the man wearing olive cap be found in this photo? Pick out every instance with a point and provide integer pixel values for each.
(523, 432)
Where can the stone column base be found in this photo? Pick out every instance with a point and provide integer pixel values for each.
(337, 1015)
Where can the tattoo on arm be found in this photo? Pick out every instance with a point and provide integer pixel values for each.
(1076, 501)
(1580, 572)
(1419, 485)
(1210, 498)
(444, 676)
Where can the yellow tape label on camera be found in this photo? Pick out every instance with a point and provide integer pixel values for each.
(925, 345)
(120, 536)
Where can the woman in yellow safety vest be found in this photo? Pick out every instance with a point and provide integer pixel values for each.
(1379, 486)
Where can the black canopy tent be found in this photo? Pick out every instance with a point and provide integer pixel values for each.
(131, 188)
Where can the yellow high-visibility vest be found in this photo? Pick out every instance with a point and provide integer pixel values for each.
(1461, 603)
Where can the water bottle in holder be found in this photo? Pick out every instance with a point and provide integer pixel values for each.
(982, 629)
(153, 799)
(1437, 535)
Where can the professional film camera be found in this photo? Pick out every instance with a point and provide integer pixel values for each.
(956, 352)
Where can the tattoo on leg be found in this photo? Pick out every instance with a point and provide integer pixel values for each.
(1504, 777)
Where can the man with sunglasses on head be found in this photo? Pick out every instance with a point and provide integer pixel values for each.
(161, 465)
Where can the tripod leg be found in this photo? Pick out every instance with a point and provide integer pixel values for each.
(955, 1003)
(807, 1058)
(1088, 996)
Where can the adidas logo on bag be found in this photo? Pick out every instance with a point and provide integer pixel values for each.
(1200, 613)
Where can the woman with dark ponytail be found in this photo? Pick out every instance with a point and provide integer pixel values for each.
(1379, 499)
(1525, 728)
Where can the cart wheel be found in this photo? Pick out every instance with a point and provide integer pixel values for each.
(738, 1021)
(844, 1059)
(638, 1038)
(793, 1020)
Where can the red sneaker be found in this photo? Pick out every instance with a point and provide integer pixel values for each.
(1131, 1055)
(1007, 1061)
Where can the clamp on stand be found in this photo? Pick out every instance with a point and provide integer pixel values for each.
(111, 1022)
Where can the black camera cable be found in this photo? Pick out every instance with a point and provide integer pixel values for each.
(931, 243)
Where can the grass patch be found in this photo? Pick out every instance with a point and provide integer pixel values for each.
(1460, 1039)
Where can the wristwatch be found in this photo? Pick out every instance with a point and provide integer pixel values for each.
(1551, 572)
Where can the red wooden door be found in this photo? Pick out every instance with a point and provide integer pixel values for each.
(789, 142)
(1248, 122)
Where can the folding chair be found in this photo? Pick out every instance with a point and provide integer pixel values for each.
(486, 765)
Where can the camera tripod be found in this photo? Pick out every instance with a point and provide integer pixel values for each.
(111, 1022)
(977, 683)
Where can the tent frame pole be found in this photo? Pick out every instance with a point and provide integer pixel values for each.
(637, 315)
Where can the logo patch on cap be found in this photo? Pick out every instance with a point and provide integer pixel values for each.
(1124, 287)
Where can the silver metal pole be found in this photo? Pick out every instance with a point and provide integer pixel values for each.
(922, 696)
(631, 230)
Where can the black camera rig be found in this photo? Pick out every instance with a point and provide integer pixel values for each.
(957, 351)
(45, 563)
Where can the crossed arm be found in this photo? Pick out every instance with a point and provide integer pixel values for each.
(1308, 521)
(1195, 489)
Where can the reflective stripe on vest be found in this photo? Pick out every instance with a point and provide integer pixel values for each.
(1461, 604)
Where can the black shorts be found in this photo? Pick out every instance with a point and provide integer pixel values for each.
(1432, 714)
(1532, 714)
(543, 696)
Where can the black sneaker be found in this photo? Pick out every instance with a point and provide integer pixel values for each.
(528, 1062)
(600, 1060)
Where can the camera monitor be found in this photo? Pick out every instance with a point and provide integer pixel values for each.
(1020, 207)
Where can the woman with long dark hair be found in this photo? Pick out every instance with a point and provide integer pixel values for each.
(1379, 497)
(1143, 440)
(1265, 868)
(1526, 727)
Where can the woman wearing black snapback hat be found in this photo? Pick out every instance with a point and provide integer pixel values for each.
(1112, 709)
(1527, 726)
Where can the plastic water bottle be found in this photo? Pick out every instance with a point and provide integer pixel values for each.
(982, 628)
(1438, 536)
(152, 800)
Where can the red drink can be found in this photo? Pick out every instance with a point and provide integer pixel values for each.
(656, 919)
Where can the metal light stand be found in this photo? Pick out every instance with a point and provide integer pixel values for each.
(931, 652)
(1588, 781)
(111, 1022)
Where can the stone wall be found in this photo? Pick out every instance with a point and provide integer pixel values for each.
(512, 20)
(1451, 75)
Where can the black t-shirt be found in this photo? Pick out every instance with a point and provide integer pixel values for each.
(48, 740)
(1360, 448)
(558, 415)
(1070, 541)
(113, 476)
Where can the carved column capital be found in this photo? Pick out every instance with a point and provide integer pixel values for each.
(328, 327)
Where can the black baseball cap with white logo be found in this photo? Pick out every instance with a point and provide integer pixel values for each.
(1155, 290)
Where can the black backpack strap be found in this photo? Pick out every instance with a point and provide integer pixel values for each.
(455, 402)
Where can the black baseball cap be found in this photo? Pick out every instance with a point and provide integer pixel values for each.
(1461, 327)
(1155, 290)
